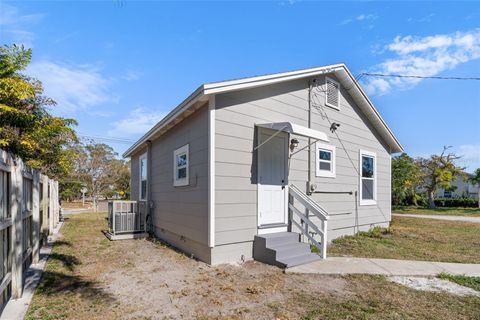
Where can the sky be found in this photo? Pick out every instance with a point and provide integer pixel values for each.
(119, 66)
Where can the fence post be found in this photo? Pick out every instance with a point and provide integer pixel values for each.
(16, 190)
(45, 201)
(51, 219)
(36, 216)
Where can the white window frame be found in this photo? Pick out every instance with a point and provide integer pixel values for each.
(324, 173)
(183, 181)
(327, 79)
(142, 157)
(368, 202)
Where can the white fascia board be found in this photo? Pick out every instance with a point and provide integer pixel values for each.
(370, 111)
(246, 83)
(186, 104)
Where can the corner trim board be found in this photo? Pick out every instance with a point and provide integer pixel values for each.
(211, 171)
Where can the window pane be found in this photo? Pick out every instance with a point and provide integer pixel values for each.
(325, 155)
(182, 160)
(367, 167)
(143, 194)
(182, 173)
(325, 166)
(143, 169)
(367, 189)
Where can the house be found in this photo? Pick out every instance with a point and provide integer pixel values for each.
(244, 163)
(462, 187)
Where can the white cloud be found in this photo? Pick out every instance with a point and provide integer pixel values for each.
(360, 18)
(136, 123)
(73, 87)
(423, 56)
(131, 75)
(15, 25)
(470, 156)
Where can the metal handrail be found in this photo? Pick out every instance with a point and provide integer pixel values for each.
(316, 209)
(310, 206)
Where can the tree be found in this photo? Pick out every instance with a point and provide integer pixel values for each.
(439, 171)
(476, 180)
(406, 177)
(27, 129)
(93, 168)
(102, 173)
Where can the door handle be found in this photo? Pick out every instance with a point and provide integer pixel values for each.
(283, 184)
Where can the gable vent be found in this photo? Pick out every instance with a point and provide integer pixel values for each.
(332, 94)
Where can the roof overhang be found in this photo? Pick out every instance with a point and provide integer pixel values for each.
(295, 129)
(203, 93)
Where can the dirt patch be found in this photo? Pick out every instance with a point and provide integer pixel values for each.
(434, 285)
(193, 289)
(89, 277)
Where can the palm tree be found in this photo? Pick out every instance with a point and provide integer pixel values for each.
(476, 180)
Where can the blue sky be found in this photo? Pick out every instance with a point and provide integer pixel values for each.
(120, 66)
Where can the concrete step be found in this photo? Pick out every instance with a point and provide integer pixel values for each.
(291, 250)
(282, 249)
(298, 260)
(278, 238)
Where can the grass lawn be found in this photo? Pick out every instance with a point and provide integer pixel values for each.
(89, 277)
(415, 239)
(469, 212)
(471, 282)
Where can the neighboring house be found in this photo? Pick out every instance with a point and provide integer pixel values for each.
(219, 170)
(462, 187)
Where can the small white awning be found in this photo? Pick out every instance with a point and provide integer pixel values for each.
(296, 129)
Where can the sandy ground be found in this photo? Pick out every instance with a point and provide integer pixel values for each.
(434, 285)
(191, 288)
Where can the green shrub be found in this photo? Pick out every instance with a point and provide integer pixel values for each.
(375, 232)
(456, 202)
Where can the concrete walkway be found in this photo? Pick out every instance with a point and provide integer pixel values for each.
(17, 309)
(388, 267)
(438, 217)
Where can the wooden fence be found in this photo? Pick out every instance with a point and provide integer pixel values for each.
(29, 211)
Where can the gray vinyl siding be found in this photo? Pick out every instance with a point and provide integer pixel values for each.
(180, 214)
(235, 163)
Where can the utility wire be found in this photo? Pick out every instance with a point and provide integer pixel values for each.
(414, 76)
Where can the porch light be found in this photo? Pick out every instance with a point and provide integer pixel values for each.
(293, 144)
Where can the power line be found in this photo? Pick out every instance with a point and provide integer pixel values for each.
(108, 139)
(414, 76)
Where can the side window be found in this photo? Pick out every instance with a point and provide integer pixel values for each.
(143, 176)
(181, 161)
(368, 178)
(332, 93)
(325, 160)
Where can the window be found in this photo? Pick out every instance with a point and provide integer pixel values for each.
(332, 93)
(143, 176)
(368, 178)
(180, 166)
(325, 156)
(447, 194)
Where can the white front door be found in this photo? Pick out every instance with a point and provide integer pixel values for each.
(272, 179)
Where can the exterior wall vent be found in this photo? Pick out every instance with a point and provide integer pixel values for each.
(332, 93)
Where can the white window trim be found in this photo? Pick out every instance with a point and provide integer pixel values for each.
(184, 181)
(143, 156)
(375, 179)
(324, 173)
(327, 79)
